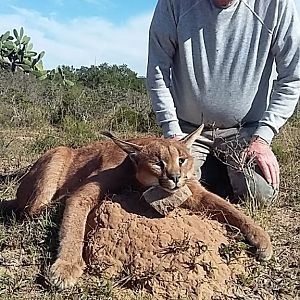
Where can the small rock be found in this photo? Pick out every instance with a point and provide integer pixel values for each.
(163, 201)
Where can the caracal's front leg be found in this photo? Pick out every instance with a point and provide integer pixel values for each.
(225, 212)
(69, 264)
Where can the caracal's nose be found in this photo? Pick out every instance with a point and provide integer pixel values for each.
(174, 177)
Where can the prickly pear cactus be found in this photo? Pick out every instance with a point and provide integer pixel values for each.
(16, 51)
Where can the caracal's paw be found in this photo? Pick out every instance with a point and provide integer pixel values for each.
(265, 251)
(261, 240)
(64, 274)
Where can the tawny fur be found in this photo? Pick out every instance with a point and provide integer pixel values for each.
(87, 174)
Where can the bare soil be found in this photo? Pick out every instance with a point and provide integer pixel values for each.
(170, 257)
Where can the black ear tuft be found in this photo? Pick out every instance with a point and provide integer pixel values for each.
(108, 134)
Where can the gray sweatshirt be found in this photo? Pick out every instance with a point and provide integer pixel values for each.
(212, 65)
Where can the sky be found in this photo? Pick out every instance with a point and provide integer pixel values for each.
(84, 32)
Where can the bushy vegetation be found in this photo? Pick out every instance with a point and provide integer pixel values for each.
(71, 105)
(102, 97)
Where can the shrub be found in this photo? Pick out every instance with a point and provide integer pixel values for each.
(125, 118)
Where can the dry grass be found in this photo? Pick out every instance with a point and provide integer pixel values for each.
(280, 278)
(27, 247)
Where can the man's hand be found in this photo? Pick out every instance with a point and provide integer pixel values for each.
(265, 158)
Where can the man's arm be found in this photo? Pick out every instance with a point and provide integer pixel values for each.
(286, 50)
(162, 45)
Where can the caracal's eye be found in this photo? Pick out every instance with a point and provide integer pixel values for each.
(161, 164)
(181, 161)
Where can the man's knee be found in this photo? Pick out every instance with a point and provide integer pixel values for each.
(249, 183)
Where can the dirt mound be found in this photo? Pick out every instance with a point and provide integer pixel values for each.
(171, 257)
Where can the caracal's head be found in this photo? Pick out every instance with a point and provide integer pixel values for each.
(161, 162)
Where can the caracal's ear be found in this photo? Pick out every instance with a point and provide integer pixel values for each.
(130, 148)
(190, 138)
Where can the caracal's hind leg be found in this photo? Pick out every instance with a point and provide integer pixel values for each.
(43, 180)
(225, 212)
(69, 264)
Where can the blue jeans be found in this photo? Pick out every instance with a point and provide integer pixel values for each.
(218, 164)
